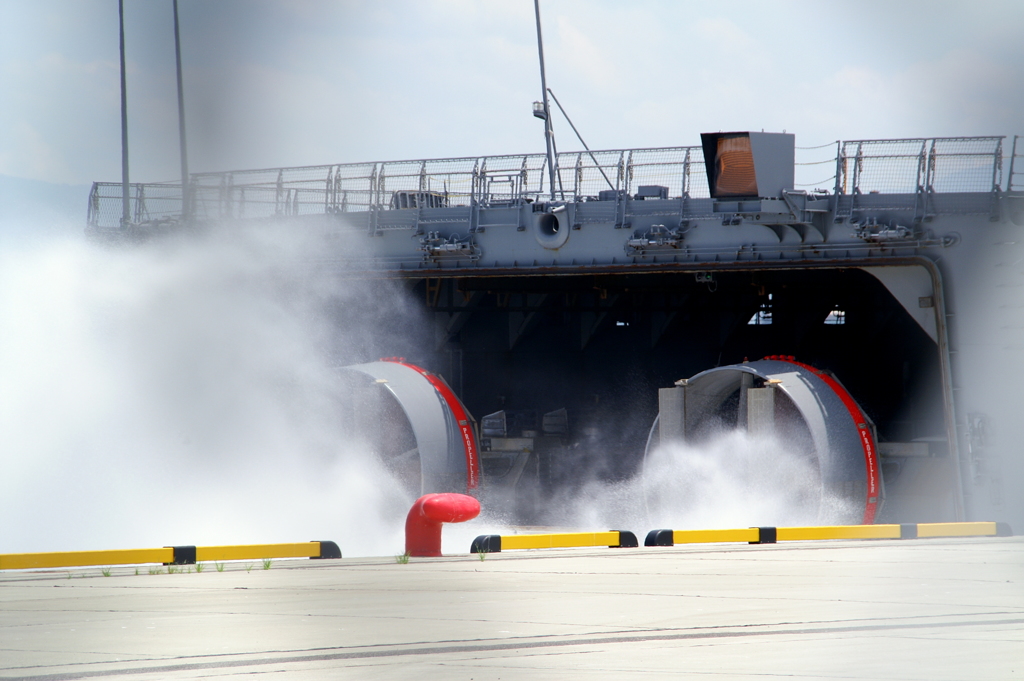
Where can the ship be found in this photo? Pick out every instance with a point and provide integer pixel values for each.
(589, 306)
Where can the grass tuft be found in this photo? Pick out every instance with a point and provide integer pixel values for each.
(156, 570)
(219, 566)
(200, 567)
(105, 572)
(266, 563)
(402, 558)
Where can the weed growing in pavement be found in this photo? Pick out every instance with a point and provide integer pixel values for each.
(266, 563)
(402, 558)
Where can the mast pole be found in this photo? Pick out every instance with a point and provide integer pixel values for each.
(125, 199)
(548, 132)
(185, 190)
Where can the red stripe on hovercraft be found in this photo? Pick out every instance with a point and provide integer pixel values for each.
(867, 441)
(461, 417)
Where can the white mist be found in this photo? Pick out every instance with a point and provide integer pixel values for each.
(731, 480)
(181, 393)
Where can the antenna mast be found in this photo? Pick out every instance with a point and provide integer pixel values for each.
(125, 199)
(548, 132)
(185, 202)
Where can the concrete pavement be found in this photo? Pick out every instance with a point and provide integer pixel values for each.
(923, 609)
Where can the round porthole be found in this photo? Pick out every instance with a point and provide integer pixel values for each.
(551, 229)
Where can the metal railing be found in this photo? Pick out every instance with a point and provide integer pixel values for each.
(485, 181)
(908, 173)
(906, 169)
(147, 202)
(940, 164)
(354, 187)
(1015, 175)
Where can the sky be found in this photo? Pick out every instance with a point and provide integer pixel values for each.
(271, 83)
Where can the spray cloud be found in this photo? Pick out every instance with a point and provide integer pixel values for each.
(184, 392)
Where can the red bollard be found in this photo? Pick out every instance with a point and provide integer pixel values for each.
(423, 524)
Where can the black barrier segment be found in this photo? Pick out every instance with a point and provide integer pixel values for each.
(627, 540)
(183, 555)
(1003, 530)
(328, 549)
(660, 538)
(765, 535)
(908, 531)
(486, 543)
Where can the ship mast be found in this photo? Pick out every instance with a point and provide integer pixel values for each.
(549, 134)
(185, 203)
(125, 199)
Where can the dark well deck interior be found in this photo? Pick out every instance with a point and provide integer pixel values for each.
(600, 346)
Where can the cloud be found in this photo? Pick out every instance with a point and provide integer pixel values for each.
(585, 58)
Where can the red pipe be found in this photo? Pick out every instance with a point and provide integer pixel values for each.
(423, 524)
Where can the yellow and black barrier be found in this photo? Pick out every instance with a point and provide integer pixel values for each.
(168, 555)
(495, 543)
(771, 535)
